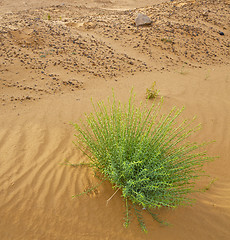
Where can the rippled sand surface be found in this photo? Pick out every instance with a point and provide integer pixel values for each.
(39, 99)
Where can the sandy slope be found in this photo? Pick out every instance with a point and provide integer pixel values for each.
(49, 70)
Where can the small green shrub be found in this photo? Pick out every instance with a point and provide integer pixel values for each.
(143, 154)
(167, 40)
(152, 92)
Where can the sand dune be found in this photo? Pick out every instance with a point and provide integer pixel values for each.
(50, 69)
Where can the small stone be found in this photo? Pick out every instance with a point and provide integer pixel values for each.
(142, 20)
(205, 13)
(221, 33)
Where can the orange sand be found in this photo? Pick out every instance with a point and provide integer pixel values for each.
(49, 71)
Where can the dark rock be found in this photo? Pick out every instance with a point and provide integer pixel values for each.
(142, 20)
(221, 33)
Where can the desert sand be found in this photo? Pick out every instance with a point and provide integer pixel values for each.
(54, 57)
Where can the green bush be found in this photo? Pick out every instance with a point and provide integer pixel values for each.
(144, 154)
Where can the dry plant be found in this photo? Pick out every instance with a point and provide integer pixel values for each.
(152, 92)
